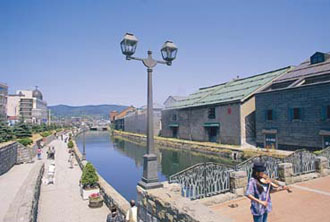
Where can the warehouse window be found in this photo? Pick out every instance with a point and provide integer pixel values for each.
(212, 113)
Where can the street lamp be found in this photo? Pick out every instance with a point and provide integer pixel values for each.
(128, 46)
(84, 143)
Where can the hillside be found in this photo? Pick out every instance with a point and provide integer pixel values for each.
(96, 111)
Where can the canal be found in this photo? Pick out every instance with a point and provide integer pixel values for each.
(121, 163)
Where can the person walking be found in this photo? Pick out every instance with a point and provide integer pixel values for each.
(131, 215)
(113, 216)
(258, 191)
(39, 153)
(71, 160)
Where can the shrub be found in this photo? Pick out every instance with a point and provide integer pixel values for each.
(45, 134)
(89, 177)
(22, 130)
(70, 144)
(25, 141)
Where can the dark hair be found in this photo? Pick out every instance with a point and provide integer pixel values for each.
(132, 202)
(113, 209)
(257, 178)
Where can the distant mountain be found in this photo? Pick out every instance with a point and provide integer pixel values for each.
(96, 111)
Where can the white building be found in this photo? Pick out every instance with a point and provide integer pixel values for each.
(27, 105)
(3, 101)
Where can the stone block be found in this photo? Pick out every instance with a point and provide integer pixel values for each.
(238, 179)
(321, 165)
(285, 172)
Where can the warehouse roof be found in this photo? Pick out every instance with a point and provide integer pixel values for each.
(235, 90)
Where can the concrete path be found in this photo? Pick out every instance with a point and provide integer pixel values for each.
(309, 202)
(61, 202)
(10, 184)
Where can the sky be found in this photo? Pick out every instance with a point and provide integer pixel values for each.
(70, 48)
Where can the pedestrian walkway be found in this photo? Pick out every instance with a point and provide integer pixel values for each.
(309, 202)
(61, 202)
(10, 184)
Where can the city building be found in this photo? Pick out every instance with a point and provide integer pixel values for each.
(136, 122)
(119, 119)
(3, 101)
(223, 113)
(294, 112)
(112, 115)
(28, 106)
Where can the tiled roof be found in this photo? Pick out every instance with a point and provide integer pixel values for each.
(236, 90)
(306, 69)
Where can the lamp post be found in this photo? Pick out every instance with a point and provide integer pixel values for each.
(128, 45)
(84, 143)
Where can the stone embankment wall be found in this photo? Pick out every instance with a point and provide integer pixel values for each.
(12, 153)
(25, 205)
(8, 156)
(226, 151)
(110, 195)
(26, 154)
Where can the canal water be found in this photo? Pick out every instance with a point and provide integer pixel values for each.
(120, 162)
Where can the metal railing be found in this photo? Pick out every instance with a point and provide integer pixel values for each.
(302, 161)
(208, 179)
(271, 165)
(203, 180)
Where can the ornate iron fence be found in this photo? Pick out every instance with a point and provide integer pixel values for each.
(326, 153)
(271, 165)
(203, 180)
(302, 161)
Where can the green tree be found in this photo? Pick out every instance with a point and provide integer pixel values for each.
(89, 177)
(70, 144)
(22, 130)
(6, 132)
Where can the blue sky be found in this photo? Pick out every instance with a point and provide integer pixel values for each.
(70, 48)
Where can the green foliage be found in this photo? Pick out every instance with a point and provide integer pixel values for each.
(70, 144)
(6, 132)
(25, 141)
(45, 134)
(59, 130)
(89, 177)
(22, 130)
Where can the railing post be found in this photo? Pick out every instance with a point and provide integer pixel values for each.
(238, 182)
(321, 165)
(285, 172)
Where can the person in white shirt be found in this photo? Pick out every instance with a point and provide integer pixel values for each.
(131, 215)
(51, 173)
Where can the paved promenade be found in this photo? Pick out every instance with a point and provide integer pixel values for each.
(309, 202)
(61, 202)
(10, 184)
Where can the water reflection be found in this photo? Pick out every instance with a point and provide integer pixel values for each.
(121, 162)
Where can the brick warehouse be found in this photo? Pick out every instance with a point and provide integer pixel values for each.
(223, 113)
(294, 112)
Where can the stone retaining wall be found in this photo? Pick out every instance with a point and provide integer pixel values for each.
(26, 154)
(111, 196)
(8, 156)
(226, 151)
(25, 205)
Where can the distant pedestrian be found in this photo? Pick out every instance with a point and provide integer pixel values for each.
(39, 153)
(131, 215)
(71, 160)
(113, 216)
